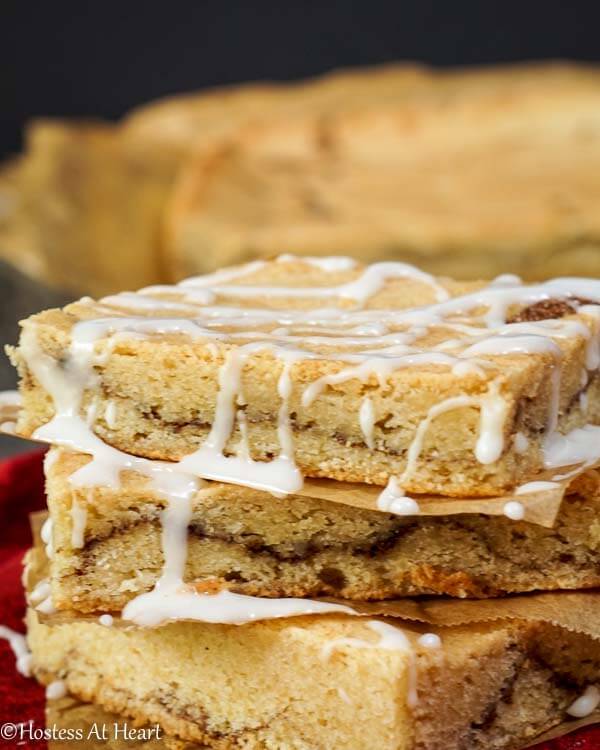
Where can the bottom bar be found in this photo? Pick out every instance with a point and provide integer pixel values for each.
(75, 725)
(317, 683)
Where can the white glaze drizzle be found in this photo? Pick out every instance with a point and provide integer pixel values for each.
(579, 446)
(430, 641)
(78, 521)
(514, 510)
(40, 592)
(92, 412)
(586, 704)
(46, 537)
(243, 449)
(328, 264)
(488, 449)
(160, 606)
(106, 620)
(50, 458)
(393, 500)
(366, 417)
(110, 414)
(56, 689)
(18, 644)
(221, 276)
(368, 284)
(280, 475)
(507, 279)
(46, 607)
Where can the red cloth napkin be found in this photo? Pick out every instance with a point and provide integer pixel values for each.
(21, 492)
(21, 699)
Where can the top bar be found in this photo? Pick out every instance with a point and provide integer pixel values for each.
(264, 373)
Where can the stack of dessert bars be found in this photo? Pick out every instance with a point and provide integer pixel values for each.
(261, 481)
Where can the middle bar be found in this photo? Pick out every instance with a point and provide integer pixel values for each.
(108, 545)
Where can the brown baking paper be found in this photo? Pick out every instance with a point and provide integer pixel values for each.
(576, 612)
(540, 508)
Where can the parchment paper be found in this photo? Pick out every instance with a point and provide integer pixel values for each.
(540, 507)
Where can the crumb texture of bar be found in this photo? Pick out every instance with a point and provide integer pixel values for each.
(273, 685)
(252, 543)
(326, 368)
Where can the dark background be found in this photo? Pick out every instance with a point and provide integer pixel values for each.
(98, 59)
